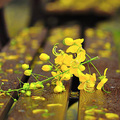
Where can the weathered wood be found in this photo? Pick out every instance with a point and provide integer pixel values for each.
(108, 59)
(22, 49)
(26, 105)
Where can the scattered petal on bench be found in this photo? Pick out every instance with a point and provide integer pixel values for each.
(35, 111)
(38, 98)
(4, 80)
(112, 116)
(52, 105)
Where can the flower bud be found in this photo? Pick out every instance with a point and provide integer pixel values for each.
(27, 72)
(22, 91)
(68, 41)
(44, 57)
(32, 86)
(26, 86)
(46, 67)
(39, 84)
(28, 93)
(25, 66)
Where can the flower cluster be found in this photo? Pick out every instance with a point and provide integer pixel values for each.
(71, 62)
(66, 64)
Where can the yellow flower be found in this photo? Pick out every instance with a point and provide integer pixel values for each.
(66, 76)
(25, 66)
(103, 80)
(59, 83)
(81, 56)
(27, 72)
(55, 74)
(76, 68)
(64, 59)
(59, 59)
(32, 86)
(44, 57)
(68, 41)
(75, 71)
(39, 85)
(68, 59)
(64, 68)
(46, 67)
(111, 116)
(58, 89)
(87, 80)
(101, 83)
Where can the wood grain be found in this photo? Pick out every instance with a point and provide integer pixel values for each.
(26, 105)
(109, 101)
(11, 57)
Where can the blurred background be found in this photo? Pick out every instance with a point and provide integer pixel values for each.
(17, 14)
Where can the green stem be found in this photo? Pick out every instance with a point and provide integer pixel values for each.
(95, 58)
(20, 82)
(94, 65)
(53, 77)
(40, 75)
(52, 64)
(105, 90)
(89, 68)
(34, 77)
(11, 90)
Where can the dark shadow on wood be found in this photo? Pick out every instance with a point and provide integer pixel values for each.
(4, 38)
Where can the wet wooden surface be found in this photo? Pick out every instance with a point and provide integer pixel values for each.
(110, 102)
(21, 49)
(26, 105)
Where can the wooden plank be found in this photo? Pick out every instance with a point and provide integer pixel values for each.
(78, 7)
(21, 49)
(100, 43)
(26, 105)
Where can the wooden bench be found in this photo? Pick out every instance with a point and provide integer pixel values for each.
(26, 48)
(57, 104)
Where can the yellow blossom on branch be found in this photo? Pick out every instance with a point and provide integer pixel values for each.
(72, 49)
(58, 89)
(44, 57)
(46, 67)
(27, 72)
(87, 81)
(68, 41)
(25, 66)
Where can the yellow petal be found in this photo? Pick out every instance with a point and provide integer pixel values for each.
(111, 116)
(105, 71)
(72, 49)
(81, 86)
(78, 41)
(100, 85)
